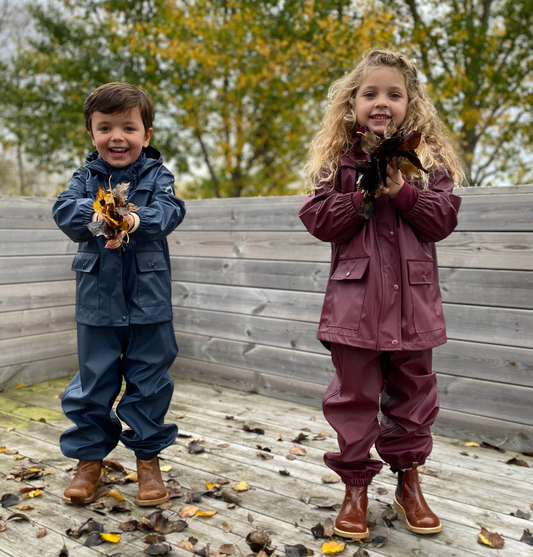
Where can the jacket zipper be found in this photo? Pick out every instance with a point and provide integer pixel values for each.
(382, 286)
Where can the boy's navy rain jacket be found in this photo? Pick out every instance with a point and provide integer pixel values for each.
(115, 287)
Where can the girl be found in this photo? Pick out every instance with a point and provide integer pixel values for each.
(382, 312)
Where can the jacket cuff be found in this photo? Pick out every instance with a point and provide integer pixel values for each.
(357, 199)
(406, 198)
(137, 220)
(94, 217)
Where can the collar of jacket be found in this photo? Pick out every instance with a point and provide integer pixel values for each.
(148, 158)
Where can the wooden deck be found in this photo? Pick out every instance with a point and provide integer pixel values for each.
(468, 487)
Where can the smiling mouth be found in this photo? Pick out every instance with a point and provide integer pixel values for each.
(380, 117)
(118, 151)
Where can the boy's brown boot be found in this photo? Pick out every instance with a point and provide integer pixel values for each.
(152, 490)
(82, 488)
(351, 522)
(409, 502)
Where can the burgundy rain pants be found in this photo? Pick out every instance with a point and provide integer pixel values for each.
(409, 404)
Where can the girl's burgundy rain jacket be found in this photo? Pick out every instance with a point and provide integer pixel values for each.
(383, 290)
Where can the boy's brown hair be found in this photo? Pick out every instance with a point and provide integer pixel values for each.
(119, 97)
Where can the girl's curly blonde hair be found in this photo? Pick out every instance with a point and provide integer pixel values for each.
(335, 137)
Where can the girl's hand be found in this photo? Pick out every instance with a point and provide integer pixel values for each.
(394, 179)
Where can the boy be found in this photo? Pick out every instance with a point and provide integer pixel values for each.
(123, 301)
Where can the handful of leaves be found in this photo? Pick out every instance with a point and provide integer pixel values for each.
(111, 204)
(394, 143)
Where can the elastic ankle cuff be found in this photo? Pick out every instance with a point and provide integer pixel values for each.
(357, 481)
(146, 456)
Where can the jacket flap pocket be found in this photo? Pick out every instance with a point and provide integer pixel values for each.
(148, 261)
(85, 262)
(420, 272)
(351, 269)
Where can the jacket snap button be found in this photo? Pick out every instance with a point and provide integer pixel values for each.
(348, 274)
(424, 278)
(395, 343)
(391, 233)
(396, 287)
(84, 265)
(123, 318)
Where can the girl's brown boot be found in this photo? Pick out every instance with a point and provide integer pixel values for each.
(351, 522)
(410, 503)
(152, 490)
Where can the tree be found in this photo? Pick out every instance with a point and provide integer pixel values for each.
(238, 84)
(477, 57)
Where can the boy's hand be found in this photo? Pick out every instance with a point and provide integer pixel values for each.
(394, 179)
(117, 241)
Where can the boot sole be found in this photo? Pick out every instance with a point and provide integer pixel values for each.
(352, 535)
(415, 529)
(152, 502)
(83, 501)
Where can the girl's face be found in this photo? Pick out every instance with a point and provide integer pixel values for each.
(381, 96)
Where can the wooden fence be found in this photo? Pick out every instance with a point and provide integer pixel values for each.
(248, 283)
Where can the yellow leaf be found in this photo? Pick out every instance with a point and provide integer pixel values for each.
(206, 513)
(166, 468)
(19, 457)
(25, 508)
(32, 494)
(187, 512)
(492, 539)
(211, 486)
(241, 486)
(116, 494)
(20, 386)
(472, 444)
(332, 547)
(3, 449)
(113, 538)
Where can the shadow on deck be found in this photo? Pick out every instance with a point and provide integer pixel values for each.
(468, 487)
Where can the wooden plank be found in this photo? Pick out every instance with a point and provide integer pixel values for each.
(485, 361)
(315, 368)
(282, 333)
(16, 297)
(29, 373)
(511, 289)
(16, 270)
(466, 286)
(37, 347)
(286, 275)
(29, 242)
(15, 324)
(512, 327)
(486, 398)
(26, 212)
(488, 250)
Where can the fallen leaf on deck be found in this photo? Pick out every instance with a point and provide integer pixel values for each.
(298, 550)
(486, 445)
(241, 486)
(379, 541)
(290, 457)
(116, 494)
(258, 540)
(382, 491)
(18, 516)
(20, 386)
(230, 498)
(227, 549)
(284, 472)
(329, 527)
(158, 549)
(527, 537)
(279, 437)
(361, 553)
(331, 479)
(32, 494)
(492, 539)
(226, 527)
(195, 448)
(257, 430)
(298, 451)
(518, 514)
(206, 513)
(154, 538)
(112, 538)
(94, 538)
(166, 468)
(9, 499)
(427, 471)
(264, 456)
(63, 552)
(518, 462)
(321, 436)
(250, 518)
(472, 444)
(19, 457)
(211, 486)
(25, 507)
(332, 547)
(318, 531)
(41, 533)
(389, 515)
(188, 546)
(187, 512)
(114, 465)
(299, 438)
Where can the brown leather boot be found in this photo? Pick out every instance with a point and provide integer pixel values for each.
(82, 488)
(351, 522)
(152, 490)
(409, 502)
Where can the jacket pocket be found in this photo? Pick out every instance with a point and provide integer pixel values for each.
(350, 284)
(86, 266)
(153, 279)
(421, 279)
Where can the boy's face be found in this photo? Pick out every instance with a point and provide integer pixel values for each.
(381, 96)
(119, 137)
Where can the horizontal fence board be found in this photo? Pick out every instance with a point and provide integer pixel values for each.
(26, 212)
(283, 333)
(303, 366)
(37, 347)
(486, 398)
(487, 250)
(14, 297)
(38, 371)
(485, 361)
(15, 324)
(35, 242)
(34, 268)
